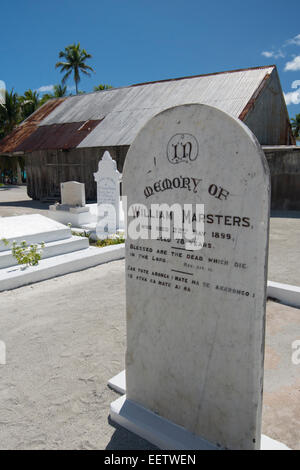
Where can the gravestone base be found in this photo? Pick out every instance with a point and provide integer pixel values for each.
(118, 382)
(76, 216)
(163, 433)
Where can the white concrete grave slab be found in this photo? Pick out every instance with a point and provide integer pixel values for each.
(13, 277)
(34, 228)
(63, 253)
(108, 195)
(196, 317)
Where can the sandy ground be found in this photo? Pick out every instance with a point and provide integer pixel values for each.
(284, 250)
(65, 338)
(14, 201)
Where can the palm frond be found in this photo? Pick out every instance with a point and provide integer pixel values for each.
(74, 62)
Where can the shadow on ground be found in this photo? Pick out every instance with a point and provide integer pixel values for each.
(285, 214)
(28, 204)
(122, 439)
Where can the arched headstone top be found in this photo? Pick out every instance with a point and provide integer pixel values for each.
(107, 165)
(213, 133)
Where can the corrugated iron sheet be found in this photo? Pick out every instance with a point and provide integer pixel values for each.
(126, 110)
(229, 92)
(58, 136)
(15, 139)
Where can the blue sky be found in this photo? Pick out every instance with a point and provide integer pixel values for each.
(134, 41)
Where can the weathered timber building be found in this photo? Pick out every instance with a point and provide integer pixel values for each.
(65, 138)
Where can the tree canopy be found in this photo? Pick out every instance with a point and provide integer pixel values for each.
(295, 123)
(102, 87)
(29, 103)
(74, 62)
(10, 114)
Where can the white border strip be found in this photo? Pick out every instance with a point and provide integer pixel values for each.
(285, 293)
(163, 433)
(14, 277)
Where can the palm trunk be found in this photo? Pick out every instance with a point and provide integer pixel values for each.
(19, 174)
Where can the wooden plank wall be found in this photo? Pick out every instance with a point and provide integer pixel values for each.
(46, 169)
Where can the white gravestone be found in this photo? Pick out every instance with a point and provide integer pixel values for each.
(108, 195)
(196, 319)
(72, 194)
(72, 208)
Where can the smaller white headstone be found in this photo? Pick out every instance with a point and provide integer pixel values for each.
(72, 209)
(108, 195)
(72, 193)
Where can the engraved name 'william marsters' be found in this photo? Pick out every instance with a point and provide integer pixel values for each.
(190, 216)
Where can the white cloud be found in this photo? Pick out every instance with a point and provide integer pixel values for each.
(293, 65)
(274, 54)
(2, 92)
(293, 97)
(295, 41)
(46, 89)
(267, 54)
(296, 84)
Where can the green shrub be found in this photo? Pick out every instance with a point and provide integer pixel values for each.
(81, 234)
(109, 241)
(26, 255)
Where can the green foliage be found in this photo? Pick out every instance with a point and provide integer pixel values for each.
(16, 108)
(29, 103)
(10, 114)
(59, 91)
(102, 87)
(28, 255)
(114, 240)
(74, 62)
(109, 242)
(81, 234)
(295, 123)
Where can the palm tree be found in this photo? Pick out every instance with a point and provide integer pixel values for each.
(102, 87)
(60, 91)
(74, 62)
(9, 113)
(295, 122)
(29, 103)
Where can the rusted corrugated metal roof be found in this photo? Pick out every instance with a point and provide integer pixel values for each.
(14, 140)
(57, 136)
(126, 110)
